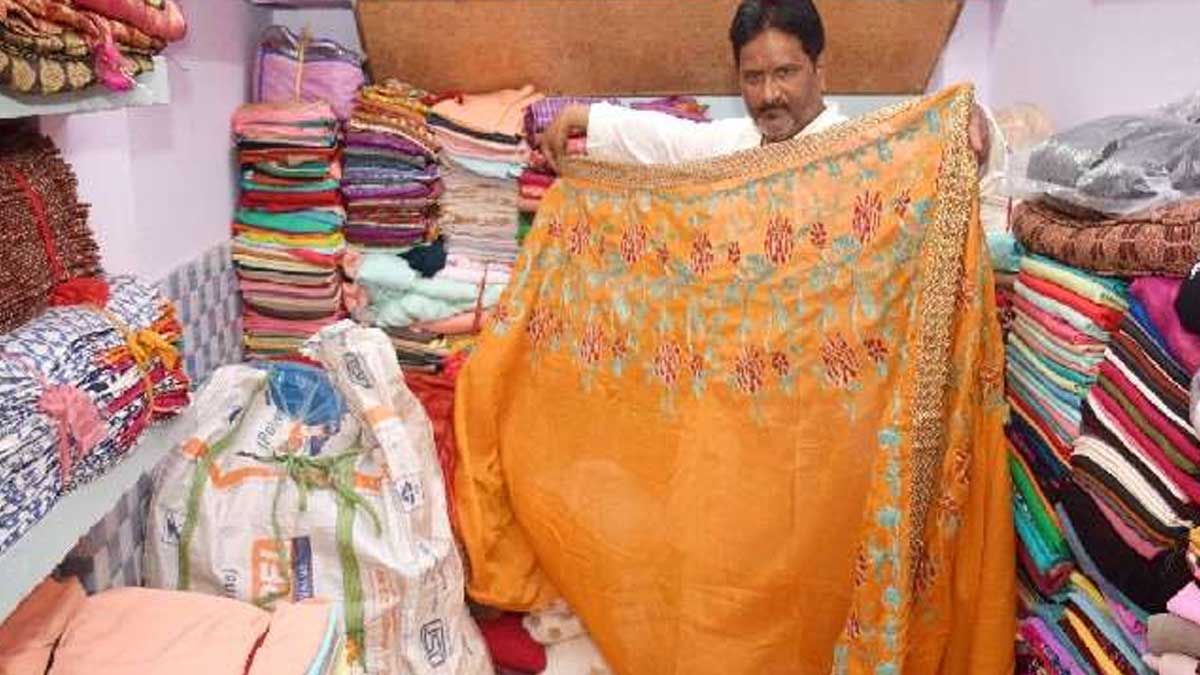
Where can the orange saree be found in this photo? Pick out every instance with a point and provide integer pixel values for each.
(744, 415)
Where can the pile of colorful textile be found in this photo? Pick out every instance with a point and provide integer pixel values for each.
(479, 217)
(291, 66)
(427, 307)
(391, 180)
(79, 386)
(1062, 319)
(54, 46)
(44, 237)
(482, 132)
(537, 176)
(288, 238)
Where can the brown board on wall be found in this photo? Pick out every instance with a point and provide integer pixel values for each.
(635, 46)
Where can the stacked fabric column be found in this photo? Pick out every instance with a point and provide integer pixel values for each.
(391, 180)
(288, 238)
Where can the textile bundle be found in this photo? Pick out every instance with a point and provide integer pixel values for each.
(537, 177)
(391, 179)
(54, 46)
(288, 239)
(716, 390)
(78, 388)
(1163, 241)
(61, 631)
(44, 237)
(482, 132)
(291, 67)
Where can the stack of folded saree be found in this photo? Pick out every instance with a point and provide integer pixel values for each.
(392, 181)
(288, 238)
(479, 216)
(54, 46)
(79, 386)
(1062, 319)
(483, 132)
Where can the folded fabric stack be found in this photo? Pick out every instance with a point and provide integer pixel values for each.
(426, 310)
(479, 217)
(61, 631)
(54, 46)
(78, 387)
(44, 236)
(288, 238)
(314, 69)
(482, 132)
(391, 182)
(1173, 637)
(537, 176)
(1061, 323)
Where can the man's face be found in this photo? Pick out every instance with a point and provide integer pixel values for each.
(780, 84)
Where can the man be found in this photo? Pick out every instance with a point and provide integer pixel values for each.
(778, 49)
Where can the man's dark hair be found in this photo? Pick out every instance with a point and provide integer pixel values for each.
(798, 18)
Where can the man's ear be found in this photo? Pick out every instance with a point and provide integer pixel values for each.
(819, 66)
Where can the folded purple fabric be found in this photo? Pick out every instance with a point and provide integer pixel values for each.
(1157, 295)
(377, 140)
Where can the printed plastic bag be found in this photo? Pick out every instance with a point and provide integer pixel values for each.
(300, 482)
(291, 67)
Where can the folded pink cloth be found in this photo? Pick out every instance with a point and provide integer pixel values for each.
(1157, 295)
(1186, 603)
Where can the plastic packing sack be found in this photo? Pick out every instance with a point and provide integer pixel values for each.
(1117, 165)
(300, 482)
(299, 68)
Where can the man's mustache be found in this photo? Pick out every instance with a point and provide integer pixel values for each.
(772, 108)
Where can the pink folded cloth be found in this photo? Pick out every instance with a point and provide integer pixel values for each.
(501, 112)
(28, 635)
(1172, 664)
(293, 644)
(1157, 295)
(154, 632)
(1186, 603)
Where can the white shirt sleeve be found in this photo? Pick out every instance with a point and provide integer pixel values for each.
(619, 134)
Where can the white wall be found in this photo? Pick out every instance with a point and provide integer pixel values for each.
(161, 179)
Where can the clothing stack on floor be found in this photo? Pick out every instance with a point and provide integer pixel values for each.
(58, 630)
(537, 176)
(55, 46)
(391, 180)
(288, 238)
(79, 386)
(1105, 458)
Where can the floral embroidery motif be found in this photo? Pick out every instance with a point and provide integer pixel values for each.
(876, 349)
(818, 235)
(749, 370)
(664, 255)
(702, 255)
(868, 212)
(555, 228)
(781, 364)
(901, 203)
(667, 362)
(925, 572)
(592, 347)
(780, 241)
(619, 347)
(842, 363)
(543, 326)
(581, 235)
(633, 244)
(861, 568)
(696, 364)
(734, 253)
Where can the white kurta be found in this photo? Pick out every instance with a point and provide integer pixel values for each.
(619, 134)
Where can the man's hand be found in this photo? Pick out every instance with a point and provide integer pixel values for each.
(572, 120)
(980, 136)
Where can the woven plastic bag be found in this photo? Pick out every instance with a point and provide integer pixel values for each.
(300, 482)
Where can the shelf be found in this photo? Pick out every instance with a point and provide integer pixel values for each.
(153, 88)
(35, 555)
